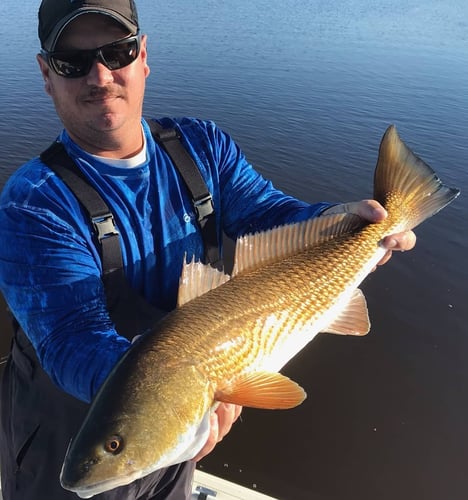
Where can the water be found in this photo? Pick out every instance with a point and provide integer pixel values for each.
(307, 89)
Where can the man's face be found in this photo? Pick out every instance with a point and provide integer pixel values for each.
(101, 110)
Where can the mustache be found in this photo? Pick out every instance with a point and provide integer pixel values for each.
(101, 92)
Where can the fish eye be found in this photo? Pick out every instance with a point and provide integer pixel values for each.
(114, 445)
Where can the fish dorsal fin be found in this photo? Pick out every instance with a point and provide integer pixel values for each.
(259, 249)
(196, 279)
(353, 319)
(271, 391)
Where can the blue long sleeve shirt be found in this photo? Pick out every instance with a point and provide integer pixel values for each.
(50, 268)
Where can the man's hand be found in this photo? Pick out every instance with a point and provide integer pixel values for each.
(221, 422)
(373, 211)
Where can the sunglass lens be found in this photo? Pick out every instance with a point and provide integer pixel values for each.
(120, 55)
(73, 65)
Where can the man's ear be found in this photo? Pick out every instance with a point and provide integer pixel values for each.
(144, 55)
(45, 71)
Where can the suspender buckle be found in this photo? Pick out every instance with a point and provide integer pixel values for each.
(104, 226)
(204, 207)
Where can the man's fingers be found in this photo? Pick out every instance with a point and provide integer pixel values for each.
(370, 210)
(227, 415)
(212, 439)
(221, 421)
(400, 242)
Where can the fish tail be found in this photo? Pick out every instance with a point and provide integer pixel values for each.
(405, 185)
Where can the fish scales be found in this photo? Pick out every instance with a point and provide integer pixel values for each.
(302, 286)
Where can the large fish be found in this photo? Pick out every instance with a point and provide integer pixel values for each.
(228, 338)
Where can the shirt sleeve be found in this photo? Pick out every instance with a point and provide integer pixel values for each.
(51, 282)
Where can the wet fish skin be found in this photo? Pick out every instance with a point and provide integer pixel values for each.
(228, 343)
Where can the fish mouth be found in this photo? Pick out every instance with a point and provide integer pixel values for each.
(89, 490)
(85, 487)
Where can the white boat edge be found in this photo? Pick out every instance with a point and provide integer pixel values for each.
(209, 487)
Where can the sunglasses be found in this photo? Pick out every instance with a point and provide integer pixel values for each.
(78, 63)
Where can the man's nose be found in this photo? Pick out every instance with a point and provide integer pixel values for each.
(100, 74)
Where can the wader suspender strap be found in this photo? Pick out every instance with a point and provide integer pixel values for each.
(202, 200)
(102, 219)
(99, 213)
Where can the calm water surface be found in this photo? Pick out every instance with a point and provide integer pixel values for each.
(307, 89)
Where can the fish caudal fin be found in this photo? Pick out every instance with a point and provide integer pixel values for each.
(406, 186)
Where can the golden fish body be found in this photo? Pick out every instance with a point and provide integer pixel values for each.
(230, 337)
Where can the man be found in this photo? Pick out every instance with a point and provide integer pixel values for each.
(94, 64)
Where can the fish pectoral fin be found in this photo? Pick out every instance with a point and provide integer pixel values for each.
(353, 319)
(266, 390)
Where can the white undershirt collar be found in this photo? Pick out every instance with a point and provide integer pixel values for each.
(134, 161)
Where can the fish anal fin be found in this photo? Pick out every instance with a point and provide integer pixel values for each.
(266, 390)
(259, 249)
(353, 319)
(197, 279)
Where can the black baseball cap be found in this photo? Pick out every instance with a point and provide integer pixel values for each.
(54, 16)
